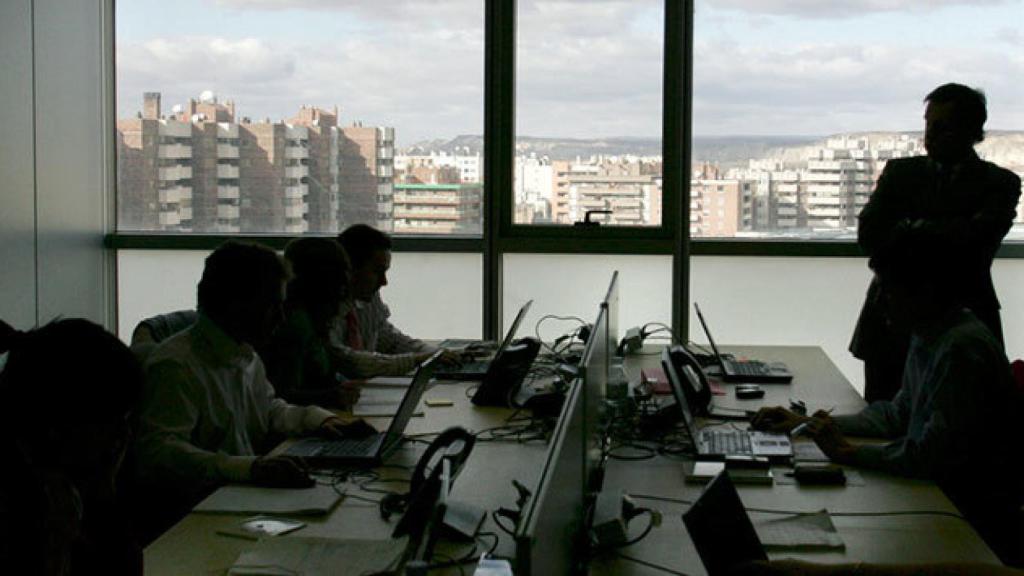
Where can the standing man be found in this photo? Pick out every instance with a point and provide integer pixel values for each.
(950, 193)
(365, 341)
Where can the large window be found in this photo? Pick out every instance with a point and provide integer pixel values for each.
(588, 112)
(798, 105)
(294, 116)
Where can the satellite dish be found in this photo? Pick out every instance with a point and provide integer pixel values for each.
(207, 97)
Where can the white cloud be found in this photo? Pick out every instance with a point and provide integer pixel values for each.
(844, 9)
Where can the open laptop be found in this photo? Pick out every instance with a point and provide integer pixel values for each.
(745, 370)
(372, 450)
(720, 529)
(722, 441)
(477, 369)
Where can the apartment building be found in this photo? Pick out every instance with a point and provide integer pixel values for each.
(719, 206)
(366, 177)
(439, 208)
(629, 187)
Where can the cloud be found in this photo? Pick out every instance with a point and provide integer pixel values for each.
(819, 9)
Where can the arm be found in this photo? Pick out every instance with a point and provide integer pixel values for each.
(883, 419)
(941, 442)
(169, 415)
(391, 340)
(285, 418)
(883, 213)
(363, 363)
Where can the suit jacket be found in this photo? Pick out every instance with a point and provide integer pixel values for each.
(972, 204)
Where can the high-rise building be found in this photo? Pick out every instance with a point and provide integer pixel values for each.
(629, 187)
(367, 175)
(450, 208)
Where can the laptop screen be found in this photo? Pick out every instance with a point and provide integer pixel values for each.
(676, 383)
(511, 334)
(707, 332)
(407, 408)
(721, 530)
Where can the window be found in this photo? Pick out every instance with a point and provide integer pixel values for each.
(241, 99)
(588, 112)
(802, 103)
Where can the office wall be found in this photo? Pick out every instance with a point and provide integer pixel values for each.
(17, 177)
(55, 173)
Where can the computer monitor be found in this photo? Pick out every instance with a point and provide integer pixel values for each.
(595, 378)
(611, 303)
(550, 538)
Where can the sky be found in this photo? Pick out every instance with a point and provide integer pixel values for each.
(585, 68)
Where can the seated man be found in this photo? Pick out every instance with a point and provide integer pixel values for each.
(209, 415)
(365, 341)
(954, 420)
(71, 387)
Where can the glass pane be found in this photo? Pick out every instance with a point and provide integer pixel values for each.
(256, 116)
(588, 111)
(574, 285)
(154, 282)
(798, 105)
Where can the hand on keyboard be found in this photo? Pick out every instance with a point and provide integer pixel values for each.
(335, 428)
(281, 472)
(776, 419)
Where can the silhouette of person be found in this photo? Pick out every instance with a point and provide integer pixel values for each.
(950, 193)
(72, 388)
(299, 359)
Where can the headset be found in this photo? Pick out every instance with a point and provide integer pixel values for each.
(454, 446)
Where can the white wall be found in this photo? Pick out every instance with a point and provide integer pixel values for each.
(56, 103)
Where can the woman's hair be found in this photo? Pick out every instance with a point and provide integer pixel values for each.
(320, 276)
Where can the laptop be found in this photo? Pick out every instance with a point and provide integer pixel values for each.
(723, 441)
(734, 370)
(720, 529)
(476, 370)
(372, 450)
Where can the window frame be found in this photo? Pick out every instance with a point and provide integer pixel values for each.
(500, 235)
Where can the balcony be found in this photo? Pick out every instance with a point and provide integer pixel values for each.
(385, 170)
(296, 192)
(296, 226)
(386, 152)
(169, 219)
(227, 151)
(185, 215)
(296, 211)
(172, 173)
(174, 195)
(296, 171)
(227, 192)
(174, 151)
(425, 214)
(227, 171)
(225, 212)
(296, 152)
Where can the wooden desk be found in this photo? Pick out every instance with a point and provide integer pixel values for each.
(193, 547)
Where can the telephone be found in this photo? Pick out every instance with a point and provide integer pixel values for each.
(506, 373)
(454, 446)
(684, 371)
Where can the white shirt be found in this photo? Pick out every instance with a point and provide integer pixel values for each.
(387, 351)
(208, 410)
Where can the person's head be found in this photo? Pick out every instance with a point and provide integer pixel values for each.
(71, 387)
(954, 118)
(370, 251)
(242, 291)
(320, 277)
(919, 278)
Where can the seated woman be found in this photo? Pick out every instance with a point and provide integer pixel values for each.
(299, 362)
(71, 388)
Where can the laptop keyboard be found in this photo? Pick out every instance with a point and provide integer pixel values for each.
(727, 442)
(359, 447)
(748, 368)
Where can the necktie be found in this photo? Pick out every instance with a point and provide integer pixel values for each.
(353, 338)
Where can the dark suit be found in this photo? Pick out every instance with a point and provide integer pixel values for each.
(972, 206)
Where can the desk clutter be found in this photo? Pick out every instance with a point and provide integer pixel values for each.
(552, 482)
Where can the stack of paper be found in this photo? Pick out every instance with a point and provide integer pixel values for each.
(800, 531)
(235, 499)
(288, 556)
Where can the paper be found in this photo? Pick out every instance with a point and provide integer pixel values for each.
(800, 531)
(313, 556)
(237, 499)
(808, 451)
(389, 381)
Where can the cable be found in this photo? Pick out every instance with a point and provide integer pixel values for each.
(646, 452)
(651, 565)
(654, 520)
(808, 513)
(500, 524)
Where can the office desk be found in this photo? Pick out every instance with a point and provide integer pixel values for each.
(193, 547)
(896, 539)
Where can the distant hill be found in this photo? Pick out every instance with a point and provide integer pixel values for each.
(1003, 147)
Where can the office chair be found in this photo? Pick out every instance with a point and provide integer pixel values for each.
(156, 329)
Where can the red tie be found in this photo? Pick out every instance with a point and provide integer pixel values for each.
(353, 339)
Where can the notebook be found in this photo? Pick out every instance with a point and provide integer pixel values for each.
(476, 370)
(723, 442)
(734, 370)
(372, 450)
(721, 530)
